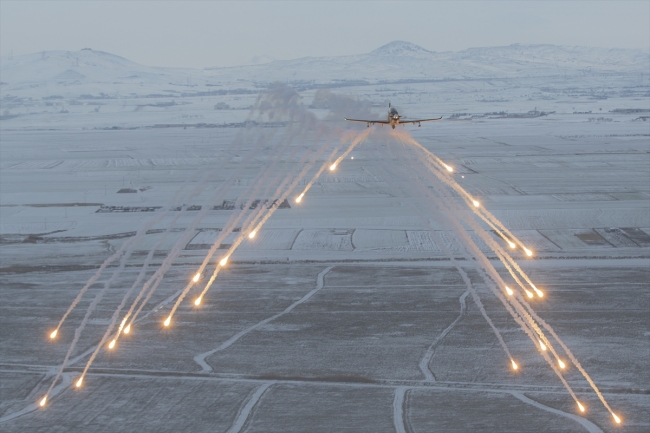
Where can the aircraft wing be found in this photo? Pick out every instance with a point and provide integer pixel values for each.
(420, 120)
(367, 121)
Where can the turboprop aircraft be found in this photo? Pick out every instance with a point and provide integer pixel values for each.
(393, 120)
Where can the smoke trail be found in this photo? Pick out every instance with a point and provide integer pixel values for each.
(156, 278)
(475, 296)
(119, 253)
(125, 250)
(219, 266)
(252, 220)
(132, 242)
(229, 227)
(141, 275)
(573, 359)
(241, 238)
(80, 328)
(289, 104)
(516, 311)
(481, 212)
(530, 318)
(176, 249)
(350, 136)
(125, 255)
(125, 298)
(358, 139)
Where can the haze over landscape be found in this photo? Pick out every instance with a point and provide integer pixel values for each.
(193, 238)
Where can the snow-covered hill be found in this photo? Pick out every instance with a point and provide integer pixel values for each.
(85, 72)
(90, 72)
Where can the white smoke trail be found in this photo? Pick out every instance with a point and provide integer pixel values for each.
(530, 326)
(300, 116)
(82, 325)
(124, 252)
(235, 218)
(126, 296)
(252, 222)
(475, 296)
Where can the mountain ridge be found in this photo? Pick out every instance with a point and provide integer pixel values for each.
(90, 71)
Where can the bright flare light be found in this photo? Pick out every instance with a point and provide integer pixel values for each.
(352, 157)
(561, 363)
(509, 291)
(539, 293)
(529, 293)
(224, 261)
(581, 407)
(512, 245)
(528, 252)
(542, 346)
(198, 301)
(80, 381)
(514, 364)
(476, 204)
(617, 419)
(196, 277)
(111, 344)
(53, 334)
(333, 167)
(127, 329)
(42, 403)
(449, 169)
(252, 234)
(299, 199)
(167, 321)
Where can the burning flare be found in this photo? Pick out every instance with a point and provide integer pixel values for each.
(80, 381)
(42, 403)
(299, 199)
(167, 321)
(581, 407)
(449, 169)
(196, 277)
(542, 345)
(529, 253)
(512, 245)
(514, 364)
(111, 344)
(223, 261)
(53, 334)
(252, 234)
(197, 301)
(529, 293)
(509, 291)
(561, 363)
(333, 167)
(476, 203)
(616, 418)
(127, 329)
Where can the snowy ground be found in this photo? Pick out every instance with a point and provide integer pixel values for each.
(352, 356)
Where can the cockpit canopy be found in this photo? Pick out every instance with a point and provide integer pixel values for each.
(393, 111)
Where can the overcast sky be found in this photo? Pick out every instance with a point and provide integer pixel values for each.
(211, 33)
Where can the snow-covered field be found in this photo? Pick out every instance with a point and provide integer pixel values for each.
(371, 328)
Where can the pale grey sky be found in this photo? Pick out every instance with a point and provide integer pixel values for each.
(220, 33)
